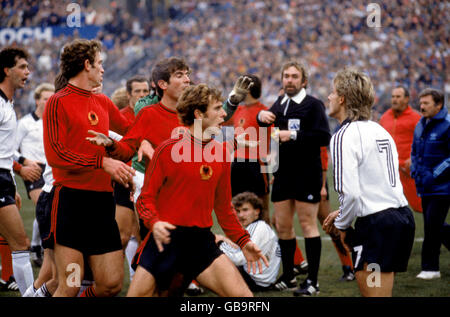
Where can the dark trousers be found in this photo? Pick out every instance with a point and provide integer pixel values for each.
(436, 231)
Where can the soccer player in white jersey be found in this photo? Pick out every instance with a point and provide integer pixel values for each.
(249, 208)
(366, 177)
(30, 145)
(14, 73)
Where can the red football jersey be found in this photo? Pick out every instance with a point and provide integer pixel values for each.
(186, 180)
(67, 117)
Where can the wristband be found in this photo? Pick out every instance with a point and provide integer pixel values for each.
(293, 135)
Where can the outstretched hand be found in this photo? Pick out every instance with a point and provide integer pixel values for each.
(253, 255)
(240, 90)
(99, 139)
(145, 149)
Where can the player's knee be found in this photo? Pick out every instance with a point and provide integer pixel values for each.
(21, 243)
(108, 288)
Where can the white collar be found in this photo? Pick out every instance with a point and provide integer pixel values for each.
(298, 98)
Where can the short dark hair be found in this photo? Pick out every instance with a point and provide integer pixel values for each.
(138, 79)
(255, 90)
(437, 95)
(193, 98)
(248, 197)
(74, 55)
(405, 91)
(166, 67)
(9, 57)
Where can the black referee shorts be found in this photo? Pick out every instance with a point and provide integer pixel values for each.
(191, 250)
(85, 220)
(384, 238)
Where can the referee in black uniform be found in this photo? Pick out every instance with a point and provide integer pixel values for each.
(303, 129)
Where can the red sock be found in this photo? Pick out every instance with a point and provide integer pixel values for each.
(89, 292)
(298, 256)
(5, 253)
(346, 258)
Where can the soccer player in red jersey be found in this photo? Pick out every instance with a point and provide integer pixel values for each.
(188, 177)
(83, 198)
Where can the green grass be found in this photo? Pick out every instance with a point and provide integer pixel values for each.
(406, 285)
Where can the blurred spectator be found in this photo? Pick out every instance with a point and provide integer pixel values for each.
(223, 39)
(120, 98)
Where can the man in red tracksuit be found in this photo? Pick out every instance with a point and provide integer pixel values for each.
(187, 178)
(83, 224)
(400, 121)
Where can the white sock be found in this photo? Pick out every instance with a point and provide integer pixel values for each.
(23, 272)
(42, 292)
(30, 292)
(36, 236)
(130, 251)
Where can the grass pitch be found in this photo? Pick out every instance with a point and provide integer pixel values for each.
(406, 284)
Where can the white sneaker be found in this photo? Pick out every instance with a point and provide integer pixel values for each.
(429, 275)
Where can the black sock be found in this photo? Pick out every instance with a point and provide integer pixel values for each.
(287, 248)
(313, 247)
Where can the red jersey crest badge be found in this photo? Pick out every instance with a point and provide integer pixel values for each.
(205, 172)
(93, 118)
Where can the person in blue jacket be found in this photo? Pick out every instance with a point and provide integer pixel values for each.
(430, 169)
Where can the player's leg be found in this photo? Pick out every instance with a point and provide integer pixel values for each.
(46, 271)
(70, 270)
(107, 270)
(7, 281)
(344, 255)
(307, 214)
(224, 279)
(133, 244)
(143, 284)
(284, 224)
(48, 288)
(375, 288)
(12, 229)
(36, 244)
(124, 219)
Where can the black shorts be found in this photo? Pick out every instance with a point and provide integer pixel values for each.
(247, 177)
(37, 184)
(385, 239)
(122, 196)
(7, 188)
(191, 250)
(85, 220)
(287, 186)
(44, 217)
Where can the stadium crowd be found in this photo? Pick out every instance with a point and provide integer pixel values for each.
(225, 38)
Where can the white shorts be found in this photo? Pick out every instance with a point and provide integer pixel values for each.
(139, 182)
